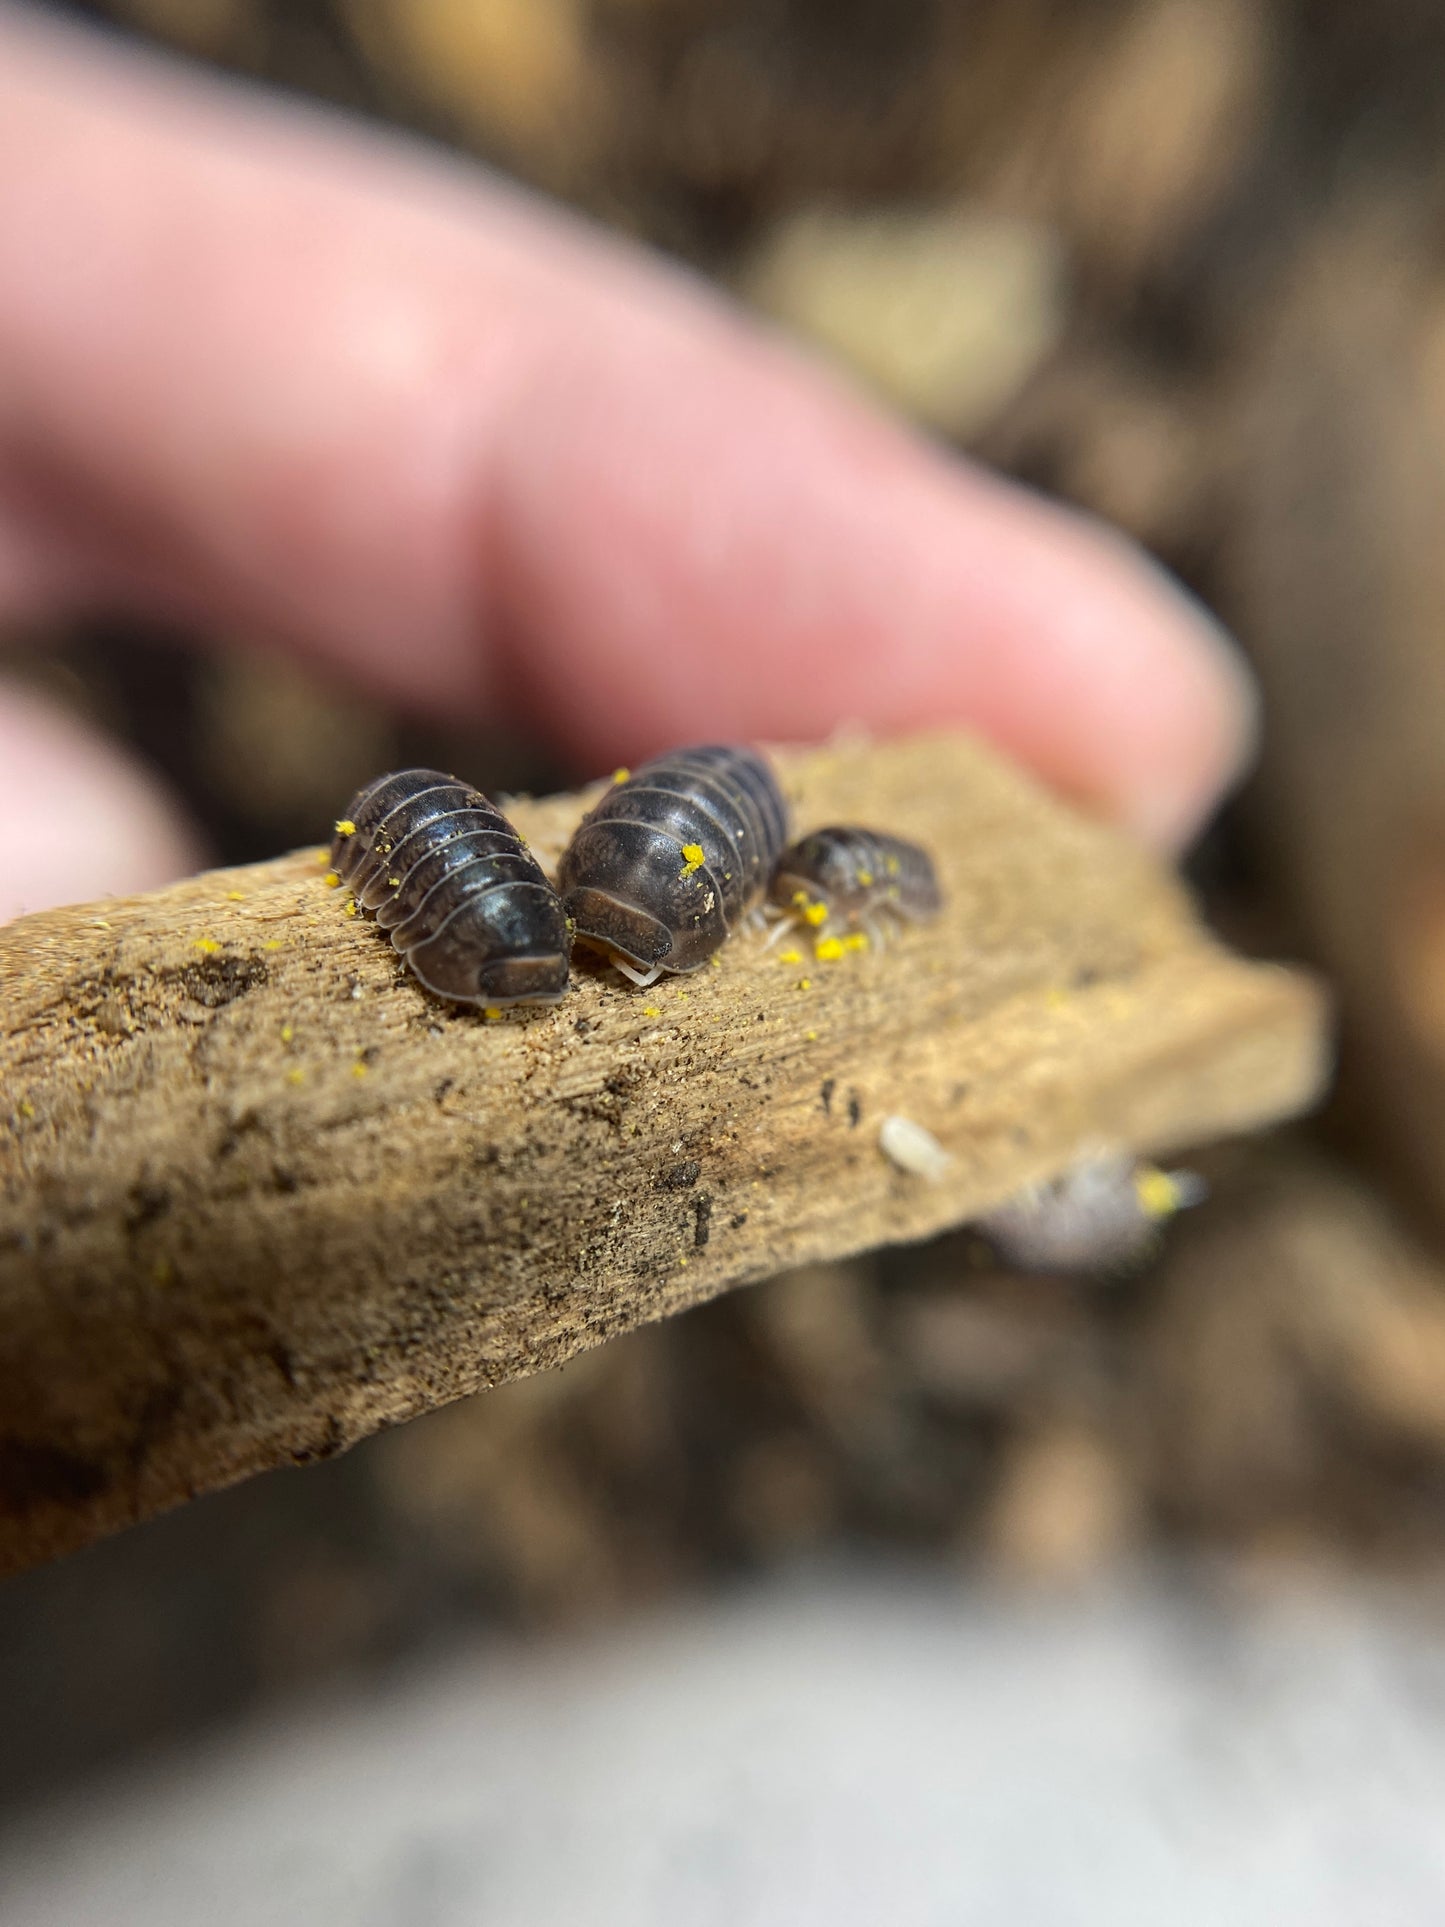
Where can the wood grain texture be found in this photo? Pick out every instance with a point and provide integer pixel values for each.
(261, 1195)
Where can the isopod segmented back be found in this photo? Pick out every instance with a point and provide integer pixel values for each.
(674, 857)
(465, 901)
(851, 876)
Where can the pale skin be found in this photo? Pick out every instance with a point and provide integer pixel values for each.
(268, 375)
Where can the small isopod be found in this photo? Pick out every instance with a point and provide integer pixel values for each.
(1102, 1214)
(465, 901)
(674, 858)
(847, 879)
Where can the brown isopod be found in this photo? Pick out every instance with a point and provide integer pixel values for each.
(465, 901)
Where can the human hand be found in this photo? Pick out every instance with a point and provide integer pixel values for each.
(263, 371)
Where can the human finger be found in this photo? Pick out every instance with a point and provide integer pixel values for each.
(83, 820)
(264, 370)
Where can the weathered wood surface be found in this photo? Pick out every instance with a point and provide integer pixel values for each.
(262, 1196)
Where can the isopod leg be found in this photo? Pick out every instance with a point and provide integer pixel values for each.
(642, 978)
(785, 926)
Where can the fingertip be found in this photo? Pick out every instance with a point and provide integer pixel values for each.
(83, 821)
(1175, 711)
(720, 540)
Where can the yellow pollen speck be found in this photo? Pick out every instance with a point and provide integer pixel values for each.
(865, 877)
(351, 906)
(296, 1075)
(358, 1069)
(692, 859)
(333, 881)
(323, 856)
(856, 940)
(1056, 999)
(272, 943)
(492, 1014)
(829, 949)
(790, 956)
(805, 983)
(714, 962)
(208, 945)
(651, 1010)
(811, 1036)
(345, 826)
(1156, 1191)
(800, 899)
(26, 1108)
(816, 913)
(621, 775)
(101, 923)
(393, 883)
(891, 866)
(682, 996)
(235, 896)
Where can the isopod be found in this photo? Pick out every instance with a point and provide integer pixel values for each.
(1102, 1214)
(674, 858)
(465, 901)
(847, 879)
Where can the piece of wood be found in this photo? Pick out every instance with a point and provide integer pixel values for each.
(261, 1195)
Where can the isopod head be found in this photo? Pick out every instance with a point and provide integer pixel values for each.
(611, 923)
(683, 936)
(491, 953)
(817, 869)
